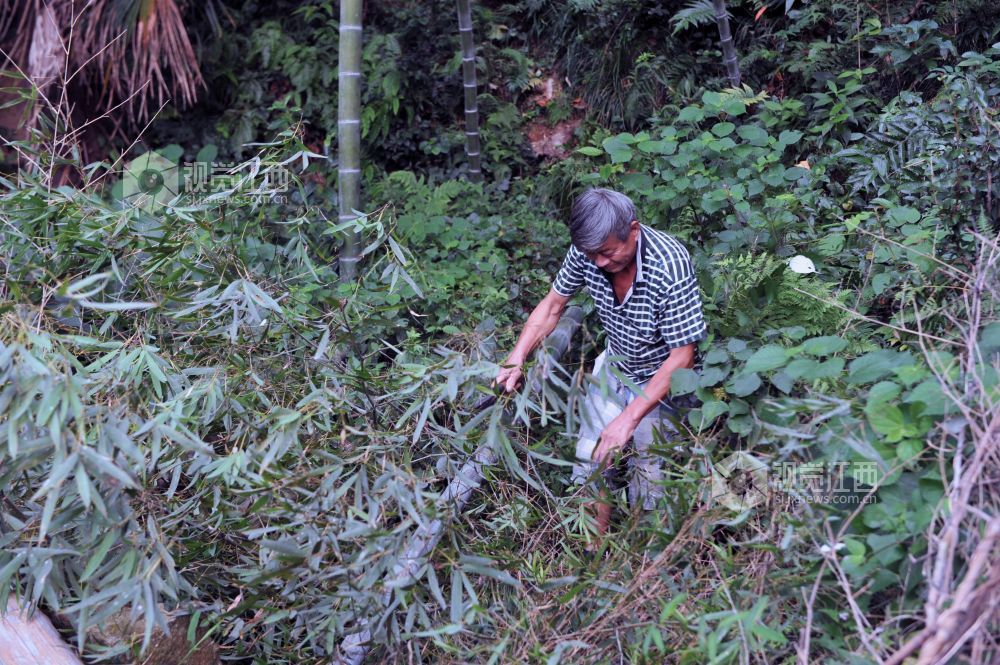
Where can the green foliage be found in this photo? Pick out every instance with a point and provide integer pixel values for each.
(166, 400)
(752, 294)
(718, 169)
(194, 416)
(618, 55)
(697, 12)
(467, 242)
(912, 150)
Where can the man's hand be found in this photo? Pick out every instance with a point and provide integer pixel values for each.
(540, 323)
(614, 437)
(510, 377)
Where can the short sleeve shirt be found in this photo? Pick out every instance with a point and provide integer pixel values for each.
(662, 310)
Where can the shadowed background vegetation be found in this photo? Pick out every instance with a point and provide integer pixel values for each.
(204, 426)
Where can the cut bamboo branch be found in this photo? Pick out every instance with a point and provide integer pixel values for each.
(451, 502)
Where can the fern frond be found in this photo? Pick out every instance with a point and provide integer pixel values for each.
(745, 94)
(698, 12)
(759, 294)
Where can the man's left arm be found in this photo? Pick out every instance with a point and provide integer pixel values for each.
(619, 431)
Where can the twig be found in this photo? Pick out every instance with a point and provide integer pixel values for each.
(876, 321)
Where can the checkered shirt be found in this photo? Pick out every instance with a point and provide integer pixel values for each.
(661, 311)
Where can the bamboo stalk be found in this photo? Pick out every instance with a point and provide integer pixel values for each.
(460, 489)
(349, 130)
(726, 39)
(470, 88)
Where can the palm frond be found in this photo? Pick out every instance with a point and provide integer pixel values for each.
(140, 49)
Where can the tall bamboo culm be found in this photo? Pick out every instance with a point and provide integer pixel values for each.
(349, 129)
(471, 89)
(726, 38)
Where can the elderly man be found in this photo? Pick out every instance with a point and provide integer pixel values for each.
(646, 294)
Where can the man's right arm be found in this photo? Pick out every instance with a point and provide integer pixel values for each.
(540, 323)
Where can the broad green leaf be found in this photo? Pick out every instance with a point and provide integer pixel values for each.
(711, 98)
(884, 547)
(852, 222)
(716, 356)
(873, 366)
(711, 376)
(767, 358)
(658, 147)
(208, 153)
(795, 172)
(753, 135)
(743, 384)
(736, 345)
(734, 107)
(683, 381)
(855, 547)
(829, 369)
(800, 366)
(619, 150)
(789, 137)
(989, 339)
(888, 420)
(881, 392)
(713, 409)
(723, 128)
(691, 114)
(909, 448)
(741, 425)
(904, 215)
(782, 381)
(881, 281)
(821, 346)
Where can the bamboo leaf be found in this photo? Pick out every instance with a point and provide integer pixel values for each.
(97, 558)
(117, 306)
(422, 420)
(107, 467)
(56, 477)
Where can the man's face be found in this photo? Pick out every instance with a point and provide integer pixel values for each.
(616, 255)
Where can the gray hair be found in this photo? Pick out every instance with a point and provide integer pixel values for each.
(596, 214)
